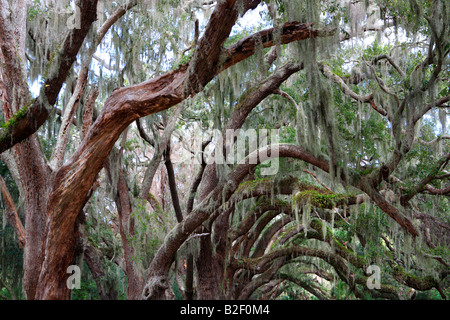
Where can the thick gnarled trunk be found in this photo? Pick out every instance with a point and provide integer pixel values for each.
(35, 176)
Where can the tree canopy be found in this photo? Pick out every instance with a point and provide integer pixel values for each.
(229, 149)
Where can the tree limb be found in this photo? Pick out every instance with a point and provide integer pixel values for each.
(12, 214)
(172, 184)
(396, 67)
(34, 115)
(423, 184)
(326, 71)
(391, 210)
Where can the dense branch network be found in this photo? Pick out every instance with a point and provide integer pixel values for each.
(289, 223)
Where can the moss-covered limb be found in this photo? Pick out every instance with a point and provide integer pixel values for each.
(313, 269)
(253, 185)
(304, 191)
(260, 186)
(264, 188)
(413, 281)
(323, 197)
(283, 150)
(385, 291)
(21, 113)
(22, 124)
(284, 185)
(319, 198)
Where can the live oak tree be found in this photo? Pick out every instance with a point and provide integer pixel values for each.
(358, 91)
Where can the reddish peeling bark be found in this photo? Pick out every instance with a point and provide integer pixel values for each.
(391, 210)
(73, 181)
